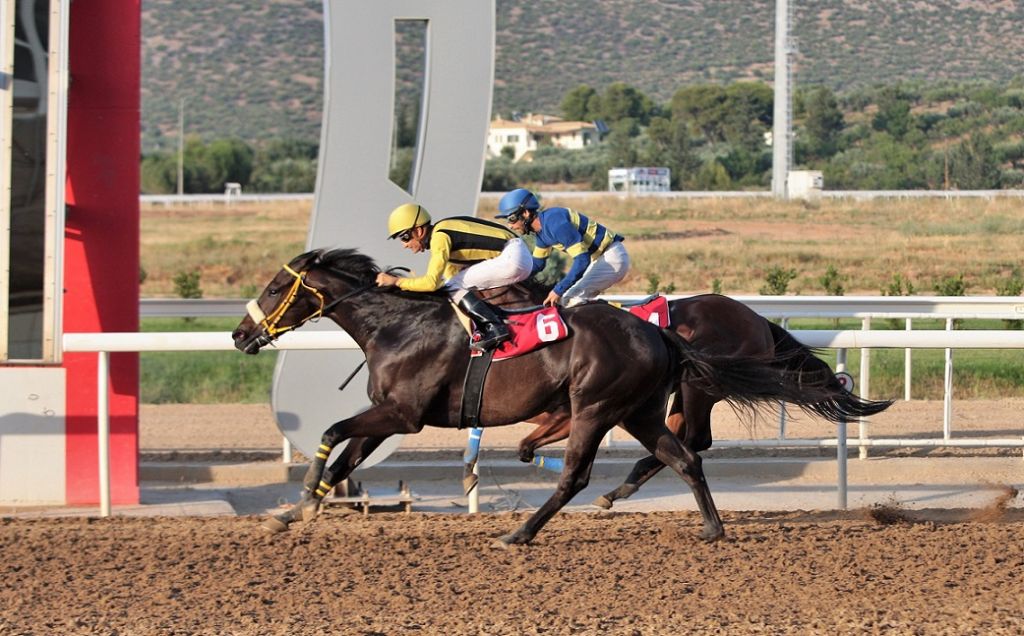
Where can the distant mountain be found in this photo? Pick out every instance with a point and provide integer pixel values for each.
(254, 69)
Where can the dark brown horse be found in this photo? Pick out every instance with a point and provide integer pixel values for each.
(613, 369)
(716, 325)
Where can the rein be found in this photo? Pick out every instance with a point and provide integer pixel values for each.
(269, 324)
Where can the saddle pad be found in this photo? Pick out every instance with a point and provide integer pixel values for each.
(654, 311)
(531, 331)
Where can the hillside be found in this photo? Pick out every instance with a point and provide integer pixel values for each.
(253, 69)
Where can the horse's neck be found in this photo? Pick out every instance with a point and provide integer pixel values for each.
(366, 317)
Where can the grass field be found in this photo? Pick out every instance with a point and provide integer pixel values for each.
(687, 244)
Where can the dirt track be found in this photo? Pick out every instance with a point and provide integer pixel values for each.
(776, 573)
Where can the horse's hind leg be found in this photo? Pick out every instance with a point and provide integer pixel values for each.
(584, 440)
(645, 468)
(642, 471)
(653, 434)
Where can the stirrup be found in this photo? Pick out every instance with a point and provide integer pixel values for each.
(490, 341)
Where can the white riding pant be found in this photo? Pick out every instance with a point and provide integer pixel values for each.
(604, 271)
(513, 264)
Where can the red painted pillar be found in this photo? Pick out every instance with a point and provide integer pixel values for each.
(101, 244)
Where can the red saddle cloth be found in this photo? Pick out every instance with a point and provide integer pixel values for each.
(654, 311)
(529, 332)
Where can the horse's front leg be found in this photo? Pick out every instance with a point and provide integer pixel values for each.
(367, 431)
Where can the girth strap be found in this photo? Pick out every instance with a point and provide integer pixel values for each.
(473, 389)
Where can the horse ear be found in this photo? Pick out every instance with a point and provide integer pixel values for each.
(318, 259)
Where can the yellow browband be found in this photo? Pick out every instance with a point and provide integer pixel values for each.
(269, 323)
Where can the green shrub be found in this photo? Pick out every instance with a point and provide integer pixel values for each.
(186, 284)
(951, 286)
(1011, 286)
(654, 285)
(832, 281)
(777, 281)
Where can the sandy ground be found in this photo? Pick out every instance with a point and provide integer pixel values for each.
(633, 574)
(883, 569)
(225, 427)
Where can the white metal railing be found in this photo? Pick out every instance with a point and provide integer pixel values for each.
(105, 343)
(907, 308)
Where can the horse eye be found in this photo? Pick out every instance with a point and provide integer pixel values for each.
(272, 292)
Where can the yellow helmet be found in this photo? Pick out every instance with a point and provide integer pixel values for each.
(405, 217)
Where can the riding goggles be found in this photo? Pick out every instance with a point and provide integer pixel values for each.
(516, 216)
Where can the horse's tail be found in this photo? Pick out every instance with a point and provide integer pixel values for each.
(808, 368)
(749, 381)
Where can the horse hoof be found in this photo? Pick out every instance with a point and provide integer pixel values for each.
(274, 525)
(711, 535)
(469, 483)
(309, 511)
(603, 502)
(506, 541)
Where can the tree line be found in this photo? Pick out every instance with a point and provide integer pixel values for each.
(942, 135)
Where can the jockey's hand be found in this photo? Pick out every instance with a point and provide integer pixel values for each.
(386, 280)
(552, 299)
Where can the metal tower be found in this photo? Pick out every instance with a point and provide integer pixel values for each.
(782, 155)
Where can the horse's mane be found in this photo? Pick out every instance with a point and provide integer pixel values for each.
(361, 268)
(351, 262)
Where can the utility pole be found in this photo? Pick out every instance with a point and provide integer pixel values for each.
(181, 146)
(781, 116)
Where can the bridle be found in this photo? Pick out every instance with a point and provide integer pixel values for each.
(270, 323)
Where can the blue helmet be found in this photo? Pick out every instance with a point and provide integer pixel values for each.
(516, 200)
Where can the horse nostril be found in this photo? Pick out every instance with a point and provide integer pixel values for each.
(238, 334)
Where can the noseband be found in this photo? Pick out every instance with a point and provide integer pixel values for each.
(269, 324)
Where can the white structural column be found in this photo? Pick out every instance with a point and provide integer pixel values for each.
(780, 120)
(354, 193)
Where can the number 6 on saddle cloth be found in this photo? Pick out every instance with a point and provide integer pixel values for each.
(529, 330)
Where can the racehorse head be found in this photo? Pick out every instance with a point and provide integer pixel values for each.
(305, 289)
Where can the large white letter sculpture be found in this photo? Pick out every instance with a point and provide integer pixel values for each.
(354, 193)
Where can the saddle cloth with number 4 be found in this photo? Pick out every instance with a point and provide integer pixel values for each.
(530, 331)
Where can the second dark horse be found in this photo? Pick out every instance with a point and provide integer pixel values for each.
(723, 327)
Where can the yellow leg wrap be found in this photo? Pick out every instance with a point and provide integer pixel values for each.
(323, 489)
(323, 452)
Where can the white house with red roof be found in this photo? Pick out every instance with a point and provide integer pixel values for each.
(532, 131)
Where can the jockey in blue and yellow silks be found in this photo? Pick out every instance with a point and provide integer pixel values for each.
(599, 259)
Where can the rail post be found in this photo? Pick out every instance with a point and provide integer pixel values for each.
(103, 427)
(782, 405)
(947, 389)
(841, 442)
(907, 365)
(865, 390)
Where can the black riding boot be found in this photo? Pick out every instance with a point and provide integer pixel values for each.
(492, 328)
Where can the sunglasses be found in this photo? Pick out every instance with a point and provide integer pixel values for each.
(405, 236)
(515, 217)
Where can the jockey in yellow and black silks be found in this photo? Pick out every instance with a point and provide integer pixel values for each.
(466, 253)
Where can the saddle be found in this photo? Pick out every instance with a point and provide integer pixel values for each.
(531, 328)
